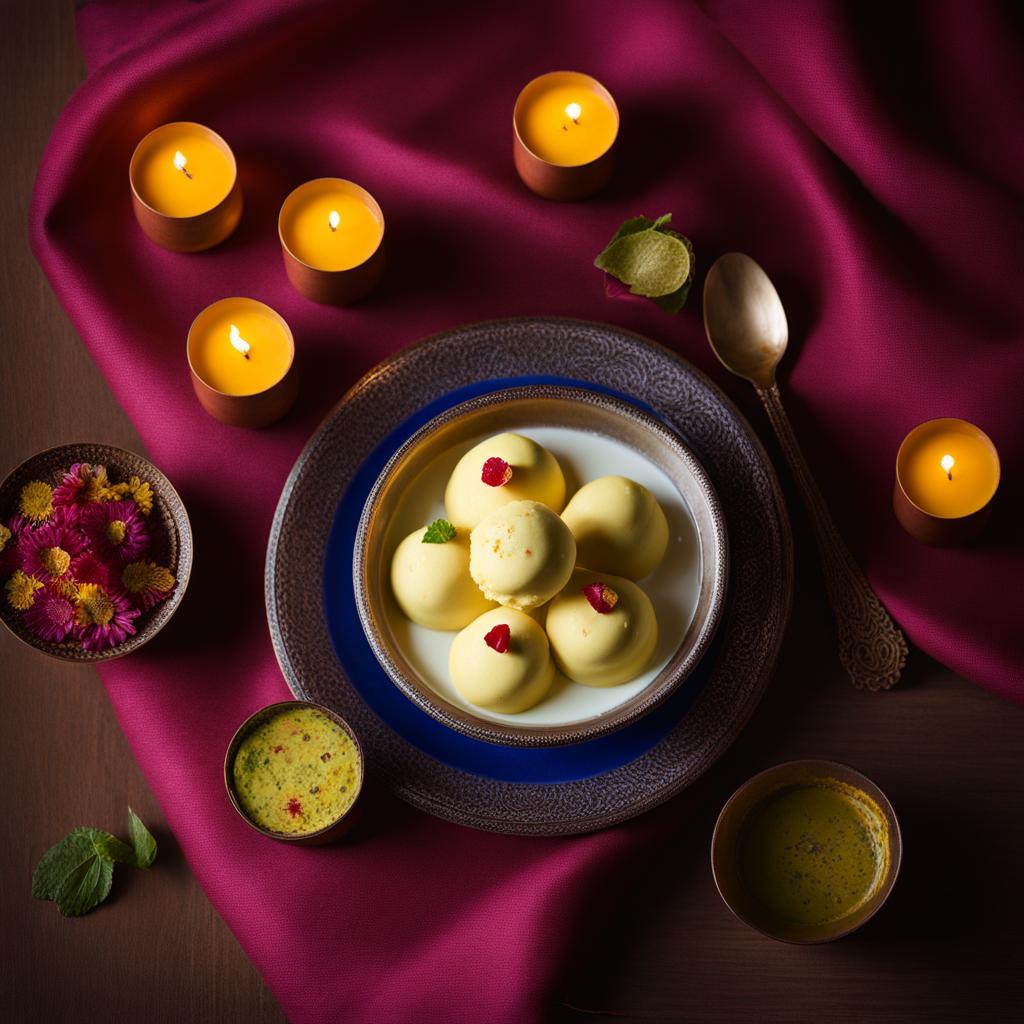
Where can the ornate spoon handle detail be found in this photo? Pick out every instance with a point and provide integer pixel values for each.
(872, 648)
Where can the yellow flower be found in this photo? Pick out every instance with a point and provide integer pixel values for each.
(140, 576)
(5, 536)
(94, 607)
(21, 590)
(66, 588)
(36, 502)
(138, 490)
(55, 561)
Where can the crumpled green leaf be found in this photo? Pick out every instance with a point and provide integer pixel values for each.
(77, 872)
(652, 259)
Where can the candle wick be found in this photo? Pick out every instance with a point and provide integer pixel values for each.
(184, 171)
(246, 354)
(332, 227)
(949, 473)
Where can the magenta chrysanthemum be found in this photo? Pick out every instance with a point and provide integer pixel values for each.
(47, 551)
(115, 529)
(87, 568)
(102, 619)
(83, 484)
(51, 616)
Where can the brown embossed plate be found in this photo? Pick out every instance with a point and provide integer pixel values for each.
(542, 791)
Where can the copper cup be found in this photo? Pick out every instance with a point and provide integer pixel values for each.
(187, 234)
(329, 833)
(251, 411)
(332, 287)
(939, 531)
(563, 183)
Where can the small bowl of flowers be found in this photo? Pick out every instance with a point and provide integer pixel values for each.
(95, 552)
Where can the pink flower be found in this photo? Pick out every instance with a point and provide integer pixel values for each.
(115, 530)
(82, 485)
(51, 616)
(87, 568)
(102, 619)
(47, 551)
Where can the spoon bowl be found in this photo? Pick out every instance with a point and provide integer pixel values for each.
(744, 319)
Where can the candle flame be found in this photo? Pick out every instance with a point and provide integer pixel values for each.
(947, 462)
(573, 111)
(180, 162)
(334, 220)
(239, 343)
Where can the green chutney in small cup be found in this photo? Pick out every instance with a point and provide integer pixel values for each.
(814, 852)
(806, 851)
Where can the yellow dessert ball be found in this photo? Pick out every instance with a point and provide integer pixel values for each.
(602, 629)
(432, 585)
(521, 555)
(532, 473)
(619, 527)
(501, 662)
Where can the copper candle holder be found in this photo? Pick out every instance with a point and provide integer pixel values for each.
(331, 287)
(190, 233)
(925, 526)
(561, 182)
(253, 410)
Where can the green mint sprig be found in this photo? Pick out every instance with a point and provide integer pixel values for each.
(652, 259)
(440, 531)
(77, 872)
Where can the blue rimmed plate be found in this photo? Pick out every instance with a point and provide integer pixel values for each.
(553, 790)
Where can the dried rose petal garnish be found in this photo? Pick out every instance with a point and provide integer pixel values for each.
(496, 472)
(499, 638)
(601, 597)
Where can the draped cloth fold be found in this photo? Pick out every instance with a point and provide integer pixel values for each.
(874, 168)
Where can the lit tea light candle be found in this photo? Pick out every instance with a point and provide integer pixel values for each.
(564, 128)
(241, 356)
(947, 472)
(332, 234)
(185, 189)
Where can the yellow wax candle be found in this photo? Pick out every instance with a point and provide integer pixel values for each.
(331, 224)
(566, 118)
(240, 347)
(182, 170)
(948, 468)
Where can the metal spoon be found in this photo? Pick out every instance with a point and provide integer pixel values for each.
(746, 326)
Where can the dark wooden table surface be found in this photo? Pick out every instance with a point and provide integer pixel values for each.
(948, 946)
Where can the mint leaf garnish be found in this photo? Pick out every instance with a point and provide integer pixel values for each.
(440, 531)
(77, 872)
(652, 259)
(142, 840)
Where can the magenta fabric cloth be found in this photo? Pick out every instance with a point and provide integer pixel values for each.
(874, 166)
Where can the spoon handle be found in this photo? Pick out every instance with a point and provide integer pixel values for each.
(872, 648)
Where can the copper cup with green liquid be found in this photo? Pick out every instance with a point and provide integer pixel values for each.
(806, 851)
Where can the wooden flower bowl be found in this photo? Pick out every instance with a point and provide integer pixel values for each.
(168, 522)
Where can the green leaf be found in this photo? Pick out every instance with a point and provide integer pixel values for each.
(652, 263)
(440, 531)
(77, 872)
(620, 259)
(142, 841)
